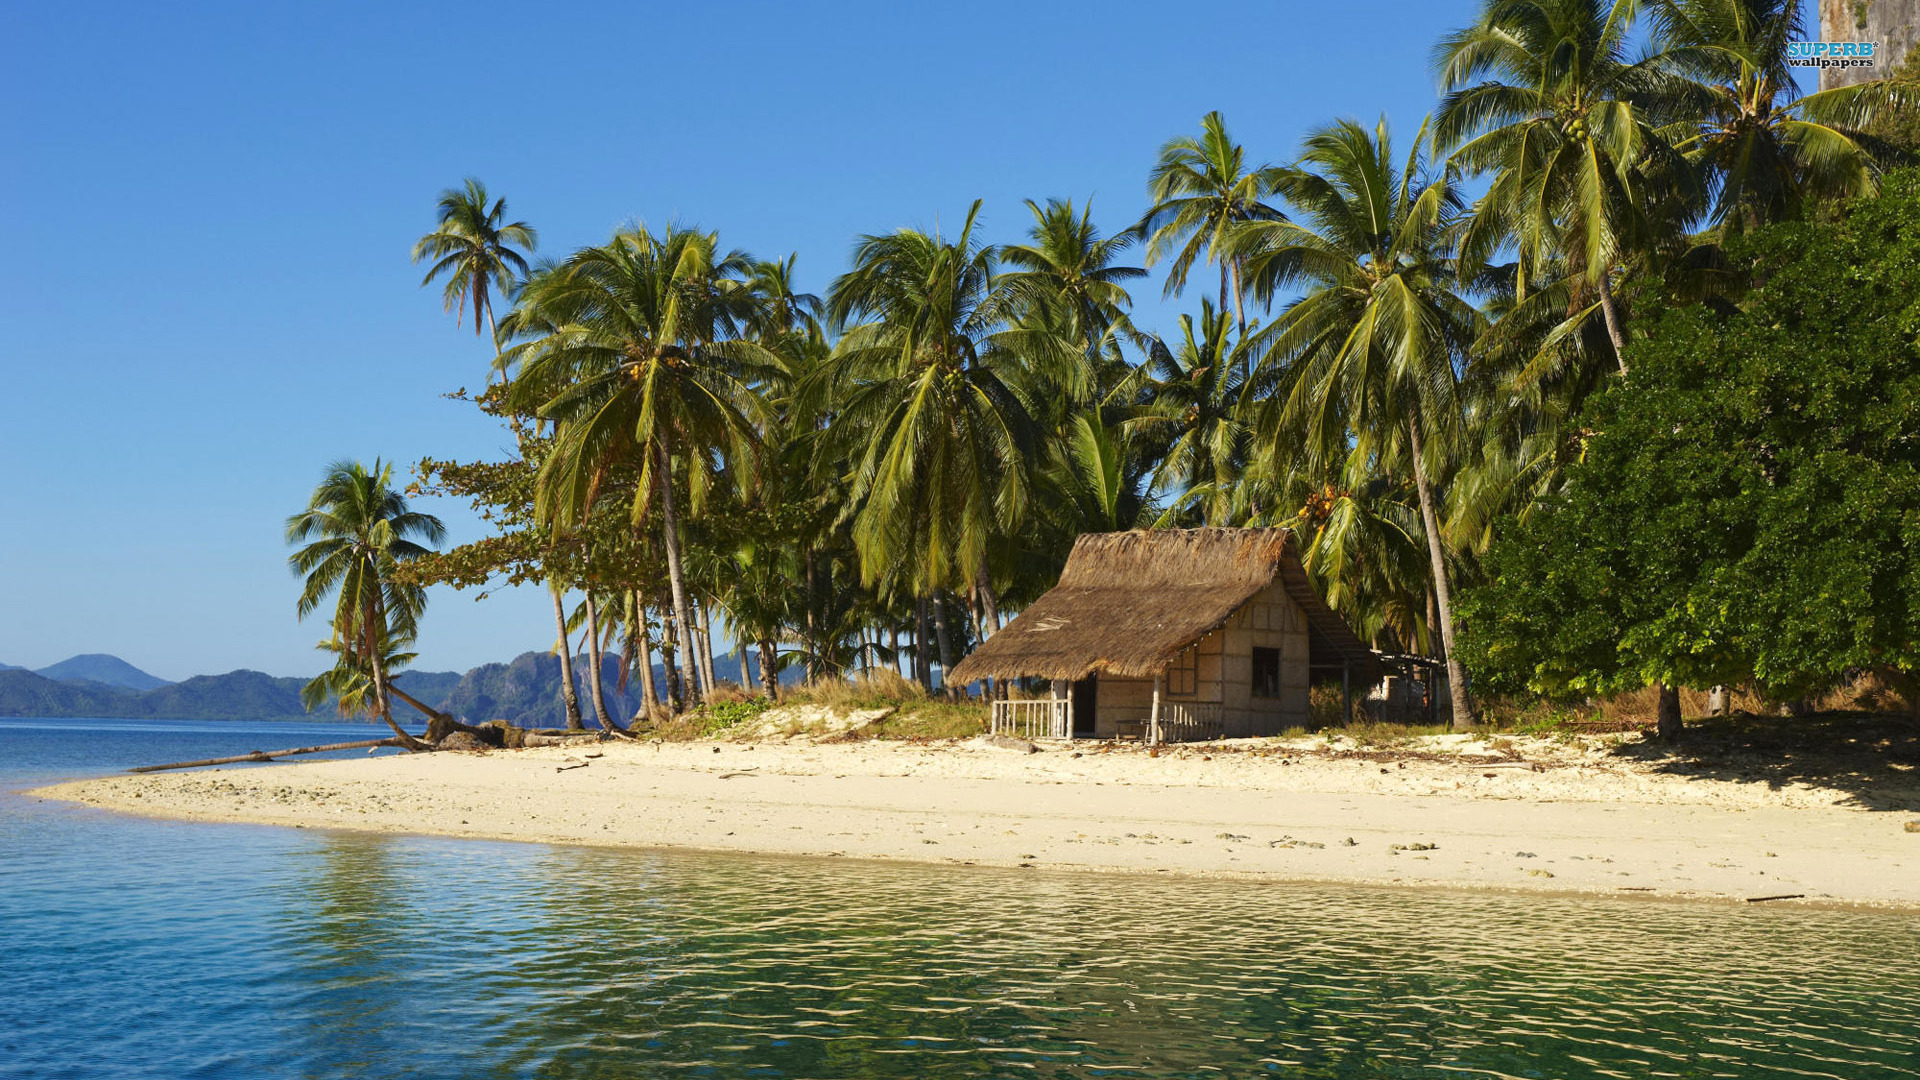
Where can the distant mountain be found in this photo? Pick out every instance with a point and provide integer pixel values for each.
(102, 668)
(11, 667)
(526, 692)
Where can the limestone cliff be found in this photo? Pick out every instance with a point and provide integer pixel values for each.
(1893, 23)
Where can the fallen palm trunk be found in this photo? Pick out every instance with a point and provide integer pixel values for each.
(267, 755)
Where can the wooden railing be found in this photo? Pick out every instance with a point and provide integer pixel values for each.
(1179, 722)
(1043, 718)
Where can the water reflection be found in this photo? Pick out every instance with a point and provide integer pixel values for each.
(484, 960)
(156, 950)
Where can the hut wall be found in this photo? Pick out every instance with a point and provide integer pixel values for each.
(1223, 670)
(1271, 620)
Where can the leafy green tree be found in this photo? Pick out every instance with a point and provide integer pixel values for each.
(473, 246)
(1894, 132)
(356, 532)
(636, 356)
(1748, 506)
(1200, 190)
(1365, 360)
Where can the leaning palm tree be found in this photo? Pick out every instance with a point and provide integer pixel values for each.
(473, 245)
(1766, 151)
(1543, 95)
(925, 388)
(356, 532)
(1365, 360)
(636, 357)
(1200, 189)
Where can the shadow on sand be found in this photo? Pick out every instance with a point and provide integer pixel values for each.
(1873, 757)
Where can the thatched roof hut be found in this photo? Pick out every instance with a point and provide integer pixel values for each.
(1129, 603)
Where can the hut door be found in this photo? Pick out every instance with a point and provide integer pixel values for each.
(1086, 698)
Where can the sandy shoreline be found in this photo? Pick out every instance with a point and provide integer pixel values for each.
(1514, 814)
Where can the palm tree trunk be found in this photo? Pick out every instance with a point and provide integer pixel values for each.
(740, 647)
(649, 694)
(1240, 311)
(706, 644)
(770, 668)
(597, 658)
(1615, 331)
(676, 575)
(940, 632)
(380, 695)
(1443, 593)
(893, 644)
(922, 659)
(990, 610)
(568, 693)
(676, 694)
(812, 643)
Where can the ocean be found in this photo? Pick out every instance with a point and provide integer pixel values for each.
(132, 948)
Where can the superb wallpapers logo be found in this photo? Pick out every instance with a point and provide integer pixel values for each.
(1831, 54)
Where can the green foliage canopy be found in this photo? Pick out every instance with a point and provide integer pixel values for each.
(1748, 506)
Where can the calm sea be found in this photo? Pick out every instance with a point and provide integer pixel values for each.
(133, 948)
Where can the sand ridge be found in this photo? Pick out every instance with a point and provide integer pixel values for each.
(1447, 810)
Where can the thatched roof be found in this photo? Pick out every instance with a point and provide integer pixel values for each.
(1129, 602)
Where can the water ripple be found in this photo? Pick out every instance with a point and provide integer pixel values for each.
(145, 949)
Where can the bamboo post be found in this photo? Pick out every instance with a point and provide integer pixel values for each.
(1153, 718)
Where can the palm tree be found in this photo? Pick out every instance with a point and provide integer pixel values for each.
(779, 308)
(357, 532)
(1541, 93)
(473, 245)
(1200, 189)
(1364, 361)
(1192, 414)
(1766, 151)
(1067, 275)
(929, 414)
(636, 357)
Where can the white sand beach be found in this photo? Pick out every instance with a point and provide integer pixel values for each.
(1538, 814)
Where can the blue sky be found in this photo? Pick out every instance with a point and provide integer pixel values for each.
(210, 206)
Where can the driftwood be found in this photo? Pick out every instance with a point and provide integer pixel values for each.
(496, 733)
(267, 755)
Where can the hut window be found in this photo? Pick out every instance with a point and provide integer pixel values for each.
(1266, 672)
(1183, 675)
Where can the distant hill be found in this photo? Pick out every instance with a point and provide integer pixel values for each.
(525, 691)
(11, 667)
(102, 668)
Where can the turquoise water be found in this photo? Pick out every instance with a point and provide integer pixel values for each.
(132, 948)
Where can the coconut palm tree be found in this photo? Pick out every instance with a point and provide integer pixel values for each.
(636, 357)
(563, 648)
(356, 532)
(1068, 274)
(1192, 415)
(1365, 360)
(779, 307)
(925, 387)
(1543, 95)
(473, 245)
(1766, 151)
(1200, 189)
